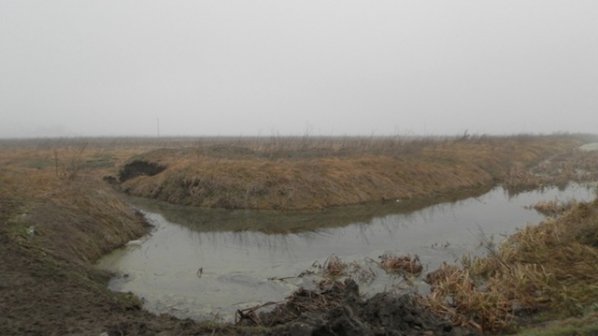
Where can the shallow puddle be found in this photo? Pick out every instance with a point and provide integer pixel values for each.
(589, 147)
(206, 264)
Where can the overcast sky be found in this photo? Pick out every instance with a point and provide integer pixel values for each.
(224, 67)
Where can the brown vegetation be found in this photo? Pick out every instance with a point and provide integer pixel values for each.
(548, 268)
(334, 267)
(553, 208)
(55, 221)
(302, 173)
(405, 264)
(57, 217)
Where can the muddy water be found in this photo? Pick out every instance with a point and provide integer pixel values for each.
(243, 254)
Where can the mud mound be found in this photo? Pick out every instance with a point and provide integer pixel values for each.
(338, 309)
(139, 168)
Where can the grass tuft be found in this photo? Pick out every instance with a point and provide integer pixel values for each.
(401, 264)
(549, 269)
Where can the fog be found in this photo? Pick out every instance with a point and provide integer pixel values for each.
(104, 68)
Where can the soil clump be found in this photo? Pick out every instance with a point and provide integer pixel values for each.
(337, 309)
(140, 168)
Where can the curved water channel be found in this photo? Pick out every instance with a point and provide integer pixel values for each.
(248, 258)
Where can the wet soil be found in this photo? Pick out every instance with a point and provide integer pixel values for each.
(137, 168)
(337, 309)
(48, 285)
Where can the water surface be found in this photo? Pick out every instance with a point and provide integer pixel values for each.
(241, 253)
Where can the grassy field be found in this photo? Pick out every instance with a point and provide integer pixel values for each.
(58, 215)
(299, 174)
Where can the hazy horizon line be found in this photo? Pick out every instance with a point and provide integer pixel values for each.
(278, 135)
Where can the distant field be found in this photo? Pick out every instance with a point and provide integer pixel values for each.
(297, 173)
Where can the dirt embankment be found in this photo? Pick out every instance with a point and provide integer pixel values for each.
(51, 231)
(314, 178)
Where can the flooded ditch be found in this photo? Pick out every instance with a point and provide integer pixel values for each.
(206, 264)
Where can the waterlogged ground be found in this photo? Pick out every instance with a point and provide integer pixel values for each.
(589, 147)
(206, 264)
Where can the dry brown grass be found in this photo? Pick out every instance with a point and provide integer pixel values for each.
(306, 173)
(63, 201)
(553, 208)
(52, 227)
(334, 267)
(54, 187)
(401, 264)
(549, 268)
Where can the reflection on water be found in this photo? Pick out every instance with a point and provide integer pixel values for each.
(238, 253)
(293, 221)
